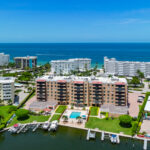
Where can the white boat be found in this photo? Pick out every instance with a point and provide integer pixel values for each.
(14, 128)
(113, 138)
(46, 125)
(53, 126)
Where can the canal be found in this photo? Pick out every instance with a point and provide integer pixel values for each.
(64, 139)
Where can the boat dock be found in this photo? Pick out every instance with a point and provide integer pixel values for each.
(21, 128)
(53, 126)
(37, 125)
(103, 136)
(90, 135)
(145, 144)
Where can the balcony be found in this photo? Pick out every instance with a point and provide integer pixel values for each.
(97, 98)
(61, 99)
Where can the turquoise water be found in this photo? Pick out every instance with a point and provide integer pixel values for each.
(64, 139)
(75, 115)
(95, 51)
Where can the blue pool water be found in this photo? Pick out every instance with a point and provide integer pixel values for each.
(74, 115)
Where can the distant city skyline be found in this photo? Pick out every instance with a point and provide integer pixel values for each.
(76, 21)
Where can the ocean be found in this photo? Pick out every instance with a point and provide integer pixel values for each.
(96, 51)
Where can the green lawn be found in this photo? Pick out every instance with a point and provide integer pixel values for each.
(94, 111)
(55, 117)
(4, 110)
(30, 119)
(107, 125)
(61, 109)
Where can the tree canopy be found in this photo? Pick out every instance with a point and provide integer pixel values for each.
(135, 80)
(125, 120)
(22, 114)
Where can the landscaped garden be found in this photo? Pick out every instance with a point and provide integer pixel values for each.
(94, 111)
(111, 125)
(61, 109)
(5, 114)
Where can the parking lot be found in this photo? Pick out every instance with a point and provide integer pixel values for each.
(133, 104)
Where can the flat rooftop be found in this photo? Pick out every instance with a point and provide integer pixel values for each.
(147, 106)
(71, 60)
(7, 79)
(26, 57)
(134, 62)
(114, 80)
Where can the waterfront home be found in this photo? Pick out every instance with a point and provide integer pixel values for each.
(82, 91)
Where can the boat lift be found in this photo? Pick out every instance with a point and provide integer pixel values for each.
(90, 134)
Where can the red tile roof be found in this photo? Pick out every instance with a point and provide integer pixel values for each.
(78, 82)
(62, 81)
(41, 80)
(96, 82)
(119, 83)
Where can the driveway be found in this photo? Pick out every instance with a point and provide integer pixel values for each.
(133, 104)
(145, 127)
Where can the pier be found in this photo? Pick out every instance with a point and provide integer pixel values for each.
(34, 129)
(103, 136)
(90, 134)
(145, 144)
(21, 128)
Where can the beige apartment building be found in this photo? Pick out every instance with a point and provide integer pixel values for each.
(82, 91)
(7, 89)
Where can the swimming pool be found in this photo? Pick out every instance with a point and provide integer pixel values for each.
(74, 115)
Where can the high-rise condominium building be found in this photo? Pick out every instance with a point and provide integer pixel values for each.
(82, 91)
(125, 68)
(4, 59)
(7, 88)
(24, 62)
(66, 66)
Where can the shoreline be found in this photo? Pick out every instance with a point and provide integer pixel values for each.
(83, 128)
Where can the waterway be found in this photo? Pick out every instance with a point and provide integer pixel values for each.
(64, 139)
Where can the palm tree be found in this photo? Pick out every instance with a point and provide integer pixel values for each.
(140, 75)
(79, 119)
(65, 118)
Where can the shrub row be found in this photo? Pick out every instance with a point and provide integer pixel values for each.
(137, 125)
(142, 107)
(26, 99)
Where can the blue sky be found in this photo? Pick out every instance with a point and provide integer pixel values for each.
(74, 21)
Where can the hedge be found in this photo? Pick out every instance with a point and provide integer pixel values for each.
(26, 99)
(4, 122)
(137, 126)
